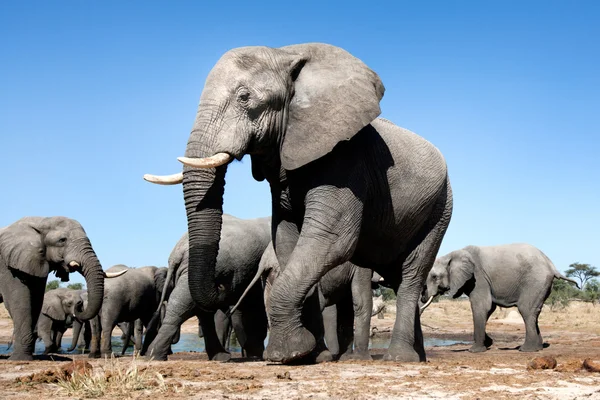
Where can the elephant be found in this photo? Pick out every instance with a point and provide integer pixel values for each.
(132, 296)
(345, 185)
(509, 275)
(57, 316)
(29, 249)
(241, 247)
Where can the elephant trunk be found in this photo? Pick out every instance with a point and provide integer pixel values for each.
(203, 193)
(76, 331)
(91, 269)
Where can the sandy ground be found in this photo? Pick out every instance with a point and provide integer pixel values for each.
(451, 372)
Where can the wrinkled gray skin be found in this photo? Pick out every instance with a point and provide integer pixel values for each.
(345, 297)
(31, 248)
(345, 186)
(58, 313)
(131, 296)
(241, 246)
(513, 275)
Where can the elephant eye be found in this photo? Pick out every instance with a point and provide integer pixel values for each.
(62, 240)
(243, 95)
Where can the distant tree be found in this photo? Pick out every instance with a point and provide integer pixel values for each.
(582, 272)
(55, 284)
(591, 292)
(75, 286)
(561, 294)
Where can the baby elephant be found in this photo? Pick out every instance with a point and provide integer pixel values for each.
(508, 275)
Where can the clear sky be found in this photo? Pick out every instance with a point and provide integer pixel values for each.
(95, 94)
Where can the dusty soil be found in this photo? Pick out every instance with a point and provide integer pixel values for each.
(451, 372)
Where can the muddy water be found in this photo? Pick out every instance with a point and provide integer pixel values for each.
(191, 342)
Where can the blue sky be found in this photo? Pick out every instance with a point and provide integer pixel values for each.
(95, 94)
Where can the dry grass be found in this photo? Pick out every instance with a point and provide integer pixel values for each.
(115, 377)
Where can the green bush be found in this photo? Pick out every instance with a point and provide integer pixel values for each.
(55, 284)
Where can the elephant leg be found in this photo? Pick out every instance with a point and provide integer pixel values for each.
(294, 307)
(23, 297)
(212, 344)
(87, 334)
(138, 332)
(362, 301)
(223, 327)
(44, 332)
(96, 334)
(481, 305)
(109, 322)
(252, 331)
(533, 337)
(126, 337)
(488, 341)
(59, 336)
(345, 327)
(331, 334)
(180, 308)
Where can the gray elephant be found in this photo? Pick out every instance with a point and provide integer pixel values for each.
(513, 275)
(241, 246)
(135, 295)
(57, 316)
(29, 249)
(346, 186)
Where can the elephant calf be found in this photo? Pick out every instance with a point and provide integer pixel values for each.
(507, 276)
(58, 311)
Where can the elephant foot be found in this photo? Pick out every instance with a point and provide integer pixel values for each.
(221, 357)
(323, 357)
(402, 354)
(94, 355)
(530, 348)
(477, 349)
(20, 357)
(360, 356)
(286, 348)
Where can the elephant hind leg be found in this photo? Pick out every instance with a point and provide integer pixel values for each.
(530, 309)
(407, 337)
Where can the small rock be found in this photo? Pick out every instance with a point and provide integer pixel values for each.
(285, 375)
(546, 362)
(591, 365)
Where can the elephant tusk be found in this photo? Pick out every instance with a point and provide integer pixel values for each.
(426, 304)
(74, 264)
(209, 162)
(114, 274)
(174, 179)
(381, 280)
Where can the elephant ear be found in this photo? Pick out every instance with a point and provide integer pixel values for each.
(22, 248)
(160, 277)
(335, 96)
(461, 271)
(53, 307)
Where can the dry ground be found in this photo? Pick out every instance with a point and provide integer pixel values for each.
(451, 372)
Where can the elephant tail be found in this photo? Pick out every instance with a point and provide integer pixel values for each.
(262, 267)
(558, 275)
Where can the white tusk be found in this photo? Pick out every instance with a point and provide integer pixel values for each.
(427, 304)
(381, 279)
(114, 274)
(74, 264)
(209, 162)
(174, 179)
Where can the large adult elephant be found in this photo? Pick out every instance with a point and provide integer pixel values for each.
(345, 186)
(511, 275)
(57, 316)
(135, 295)
(29, 249)
(241, 246)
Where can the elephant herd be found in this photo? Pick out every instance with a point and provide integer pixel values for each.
(356, 201)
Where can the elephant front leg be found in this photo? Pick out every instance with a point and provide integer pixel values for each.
(328, 239)
(24, 303)
(96, 332)
(481, 305)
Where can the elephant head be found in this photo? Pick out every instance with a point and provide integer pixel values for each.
(36, 245)
(452, 274)
(62, 303)
(286, 107)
